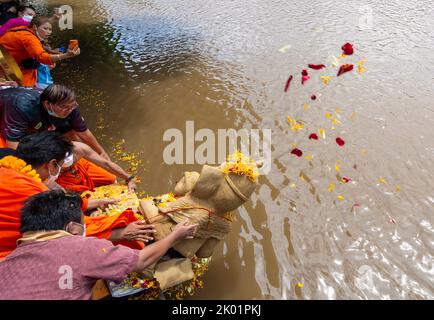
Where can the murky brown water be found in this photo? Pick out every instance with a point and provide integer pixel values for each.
(147, 66)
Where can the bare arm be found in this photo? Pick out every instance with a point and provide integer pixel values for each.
(82, 150)
(88, 138)
(12, 144)
(152, 253)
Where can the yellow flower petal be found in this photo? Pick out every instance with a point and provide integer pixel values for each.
(331, 187)
(325, 79)
(300, 285)
(340, 198)
(322, 132)
(398, 188)
(305, 107)
(360, 66)
(337, 167)
(381, 180)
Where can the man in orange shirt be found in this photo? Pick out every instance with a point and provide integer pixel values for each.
(36, 164)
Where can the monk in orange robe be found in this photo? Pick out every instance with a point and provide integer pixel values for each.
(19, 181)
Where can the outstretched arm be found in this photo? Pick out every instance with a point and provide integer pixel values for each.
(82, 150)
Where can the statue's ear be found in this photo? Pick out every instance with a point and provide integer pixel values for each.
(209, 181)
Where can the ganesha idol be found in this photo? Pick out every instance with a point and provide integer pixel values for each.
(206, 199)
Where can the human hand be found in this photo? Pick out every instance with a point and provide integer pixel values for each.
(132, 186)
(73, 52)
(138, 231)
(104, 203)
(184, 231)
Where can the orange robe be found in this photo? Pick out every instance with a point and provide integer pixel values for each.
(84, 176)
(23, 45)
(2, 142)
(16, 188)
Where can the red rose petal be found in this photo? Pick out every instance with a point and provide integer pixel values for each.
(348, 49)
(313, 136)
(297, 152)
(316, 66)
(288, 82)
(345, 68)
(346, 180)
(304, 72)
(340, 141)
(313, 97)
(304, 79)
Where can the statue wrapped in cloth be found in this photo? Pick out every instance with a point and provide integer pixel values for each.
(206, 199)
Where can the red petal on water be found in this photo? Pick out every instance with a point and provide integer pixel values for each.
(356, 205)
(313, 97)
(348, 49)
(304, 79)
(316, 66)
(345, 68)
(304, 72)
(288, 82)
(340, 141)
(313, 136)
(346, 180)
(297, 152)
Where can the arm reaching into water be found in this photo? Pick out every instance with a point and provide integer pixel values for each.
(82, 150)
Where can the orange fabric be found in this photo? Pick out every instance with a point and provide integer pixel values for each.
(84, 176)
(15, 188)
(101, 227)
(23, 45)
(2, 142)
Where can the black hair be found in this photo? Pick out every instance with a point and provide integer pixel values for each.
(50, 210)
(57, 93)
(39, 148)
(24, 7)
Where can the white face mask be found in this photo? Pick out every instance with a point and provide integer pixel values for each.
(27, 18)
(52, 178)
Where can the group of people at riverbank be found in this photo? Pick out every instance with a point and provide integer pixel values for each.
(48, 156)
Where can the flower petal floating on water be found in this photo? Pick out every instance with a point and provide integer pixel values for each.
(304, 76)
(346, 180)
(300, 285)
(322, 132)
(305, 107)
(347, 49)
(360, 66)
(340, 141)
(316, 66)
(313, 136)
(313, 97)
(288, 82)
(325, 79)
(398, 188)
(345, 68)
(297, 152)
(331, 187)
(381, 180)
(285, 48)
(340, 198)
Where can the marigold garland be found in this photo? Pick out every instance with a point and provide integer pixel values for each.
(18, 165)
(242, 165)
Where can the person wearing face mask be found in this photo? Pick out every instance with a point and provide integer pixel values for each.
(52, 247)
(24, 111)
(33, 168)
(25, 16)
(25, 46)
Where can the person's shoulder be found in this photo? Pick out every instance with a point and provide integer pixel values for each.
(28, 99)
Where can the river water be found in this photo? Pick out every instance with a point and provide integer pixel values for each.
(148, 66)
